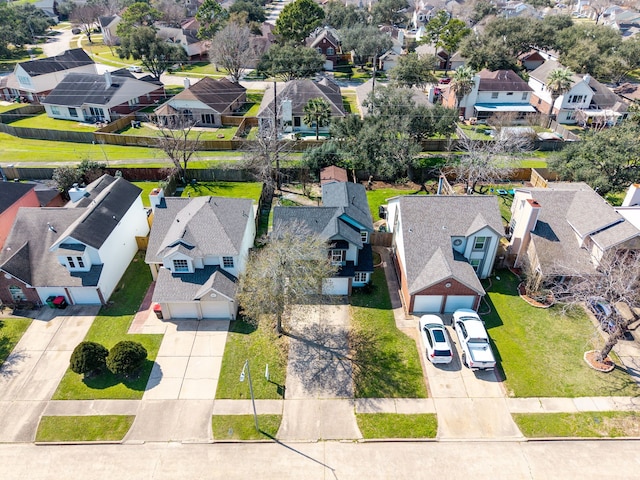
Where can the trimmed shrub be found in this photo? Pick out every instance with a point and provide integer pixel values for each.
(126, 357)
(88, 357)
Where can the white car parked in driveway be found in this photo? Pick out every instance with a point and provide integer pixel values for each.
(473, 340)
(435, 338)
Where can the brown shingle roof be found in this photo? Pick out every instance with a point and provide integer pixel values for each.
(217, 94)
(502, 81)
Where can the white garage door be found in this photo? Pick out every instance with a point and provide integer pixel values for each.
(215, 309)
(335, 286)
(183, 310)
(454, 302)
(84, 296)
(427, 303)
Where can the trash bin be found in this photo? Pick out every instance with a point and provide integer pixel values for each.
(50, 300)
(60, 302)
(157, 309)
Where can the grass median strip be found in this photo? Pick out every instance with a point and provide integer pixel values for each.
(385, 360)
(242, 427)
(89, 428)
(11, 331)
(582, 424)
(396, 425)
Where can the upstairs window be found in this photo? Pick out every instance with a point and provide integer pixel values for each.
(479, 243)
(180, 265)
(509, 94)
(330, 51)
(364, 236)
(475, 263)
(337, 256)
(494, 94)
(71, 262)
(227, 262)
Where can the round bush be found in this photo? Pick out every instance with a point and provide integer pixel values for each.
(126, 357)
(88, 357)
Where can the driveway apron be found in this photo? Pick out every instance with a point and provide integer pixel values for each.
(31, 373)
(319, 389)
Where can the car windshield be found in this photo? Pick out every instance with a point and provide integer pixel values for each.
(442, 353)
(438, 335)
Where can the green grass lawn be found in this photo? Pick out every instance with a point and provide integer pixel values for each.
(11, 106)
(203, 69)
(110, 327)
(385, 360)
(350, 103)
(146, 190)
(394, 425)
(242, 427)
(251, 190)
(90, 428)
(476, 132)
(11, 331)
(261, 346)
(379, 197)
(540, 350)
(582, 424)
(254, 98)
(44, 122)
(220, 133)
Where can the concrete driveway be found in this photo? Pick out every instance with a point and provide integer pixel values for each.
(470, 404)
(59, 43)
(32, 372)
(319, 390)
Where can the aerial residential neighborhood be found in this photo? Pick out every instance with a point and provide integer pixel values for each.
(319, 239)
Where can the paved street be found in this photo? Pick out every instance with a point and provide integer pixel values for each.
(566, 460)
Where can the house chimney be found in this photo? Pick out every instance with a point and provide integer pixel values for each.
(187, 83)
(632, 198)
(108, 80)
(155, 197)
(523, 221)
(586, 78)
(76, 193)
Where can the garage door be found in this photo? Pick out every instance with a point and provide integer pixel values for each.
(427, 303)
(183, 310)
(335, 286)
(454, 302)
(215, 309)
(84, 296)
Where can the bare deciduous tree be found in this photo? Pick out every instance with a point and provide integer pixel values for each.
(86, 16)
(288, 270)
(178, 139)
(488, 162)
(230, 49)
(617, 281)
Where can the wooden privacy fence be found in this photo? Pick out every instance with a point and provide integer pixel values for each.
(381, 239)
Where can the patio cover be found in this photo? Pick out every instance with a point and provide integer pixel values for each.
(504, 107)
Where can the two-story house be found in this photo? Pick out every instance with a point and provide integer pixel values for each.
(12, 197)
(502, 91)
(344, 221)
(565, 230)
(443, 245)
(197, 248)
(79, 251)
(586, 102)
(327, 43)
(33, 80)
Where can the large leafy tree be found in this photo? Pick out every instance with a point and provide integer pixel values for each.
(288, 270)
(389, 12)
(211, 17)
(608, 160)
(626, 60)
(414, 70)
(559, 82)
(136, 15)
(317, 113)
(297, 20)
(585, 48)
(364, 42)
(155, 54)
(289, 62)
(484, 52)
(338, 15)
(231, 50)
(454, 32)
(19, 25)
(254, 10)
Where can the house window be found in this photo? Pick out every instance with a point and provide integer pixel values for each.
(337, 256)
(318, 49)
(524, 95)
(296, 121)
(571, 115)
(208, 118)
(479, 243)
(16, 293)
(475, 263)
(24, 80)
(134, 101)
(227, 262)
(80, 262)
(330, 51)
(509, 94)
(494, 94)
(361, 277)
(73, 112)
(55, 110)
(180, 265)
(96, 112)
(71, 262)
(576, 98)
(364, 236)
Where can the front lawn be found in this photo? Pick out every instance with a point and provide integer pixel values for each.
(90, 428)
(11, 331)
(540, 350)
(242, 427)
(110, 327)
(43, 122)
(261, 346)
(385, 360)
(251, 190)
(582, 424)
(375, 198)
(395, 425)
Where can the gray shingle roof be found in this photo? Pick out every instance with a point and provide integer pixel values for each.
(219, 95)
(300, 92)
(352, 197)
(73, 58)
(174, 287)
(213, 225)
(322, 221)
(429, 223)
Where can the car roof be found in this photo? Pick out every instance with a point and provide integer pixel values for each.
(431, 320)
(475, 328)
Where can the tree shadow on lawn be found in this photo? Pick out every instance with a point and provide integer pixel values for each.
(137, 382)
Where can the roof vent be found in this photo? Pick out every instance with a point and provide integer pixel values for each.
(51, 228)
